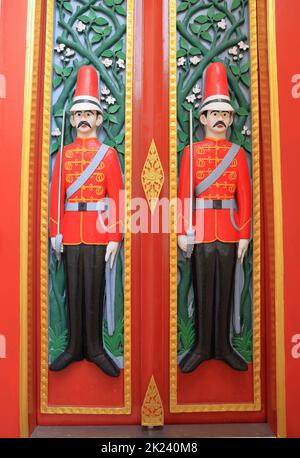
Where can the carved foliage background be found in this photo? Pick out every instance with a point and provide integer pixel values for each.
(213, 31)
(87, 32)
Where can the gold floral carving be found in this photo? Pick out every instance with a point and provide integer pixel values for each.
(152, 408)
(152, 176)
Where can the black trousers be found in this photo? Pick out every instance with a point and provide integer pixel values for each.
(213, 268)
(85, 283)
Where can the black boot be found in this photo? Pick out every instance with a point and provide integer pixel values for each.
(191, 361)
(106, 364)
(63, 361)
(94, 269)
(73, 265)
(233, 360)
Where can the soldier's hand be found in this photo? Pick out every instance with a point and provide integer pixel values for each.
(242, 249)
(182, 242)
(111, 251)
(53, 245)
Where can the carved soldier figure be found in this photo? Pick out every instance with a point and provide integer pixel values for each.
(222, 192)
(83, 176)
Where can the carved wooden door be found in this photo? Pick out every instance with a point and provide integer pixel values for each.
(151, 56)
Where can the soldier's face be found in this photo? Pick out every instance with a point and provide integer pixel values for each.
(86, 121)
(217, 122)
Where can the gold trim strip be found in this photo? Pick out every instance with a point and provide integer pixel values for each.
(278, 223)
(256, 404)
(45, 408)
(29, 119)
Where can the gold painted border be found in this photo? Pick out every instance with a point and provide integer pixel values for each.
(220, 407)
(45, 408)
(29, 121)
(278, 223)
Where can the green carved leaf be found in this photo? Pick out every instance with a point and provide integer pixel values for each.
(68, 7)
(205, 27)
(113, 119)
(181, 53)
(120, 10)
(211, 12)
(96, 38)
(121, 55)
(246, 80)
(183, 136)
(118, 46)
(182, 7)
(67, 71)
(184, 43)
(58, 70)
(118, 2)
(107, 31)
(57, 81)
(107, 53)
(235, 4)
(84, 19)
(92, 16)
(109, 2)
(206, 36)
(113, 108)
(101, 21)
(97, 29)
(187, 106)
(110, 143)
(235, 69)
(195, 51)
(119, 138)
(218, 17)
(195, 28)
(245, 68)
(201, 19)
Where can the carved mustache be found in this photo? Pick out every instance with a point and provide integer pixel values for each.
(220, 122)
(84, 123)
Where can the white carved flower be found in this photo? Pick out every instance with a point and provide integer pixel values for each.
(62, 58)
(60, 48)
(105, 91)
(242, 45)
(235, 58)
(197, 105)
(246, 131)
(69, 52)
(196, 89)
(233, 51)
(181, 61)
(222, 24)
(191, 98)
(55, 133)
(110, 100)
(121, 63)
(195, 60)
(241, 56)
(107, 62)
(80, 26)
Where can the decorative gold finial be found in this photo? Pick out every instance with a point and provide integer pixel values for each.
(152, 408)
(152, 176)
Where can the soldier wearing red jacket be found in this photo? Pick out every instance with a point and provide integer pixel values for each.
(89, 238)
(221, 220)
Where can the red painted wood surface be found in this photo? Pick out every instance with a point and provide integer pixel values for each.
(289, 108)
(12, 67)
